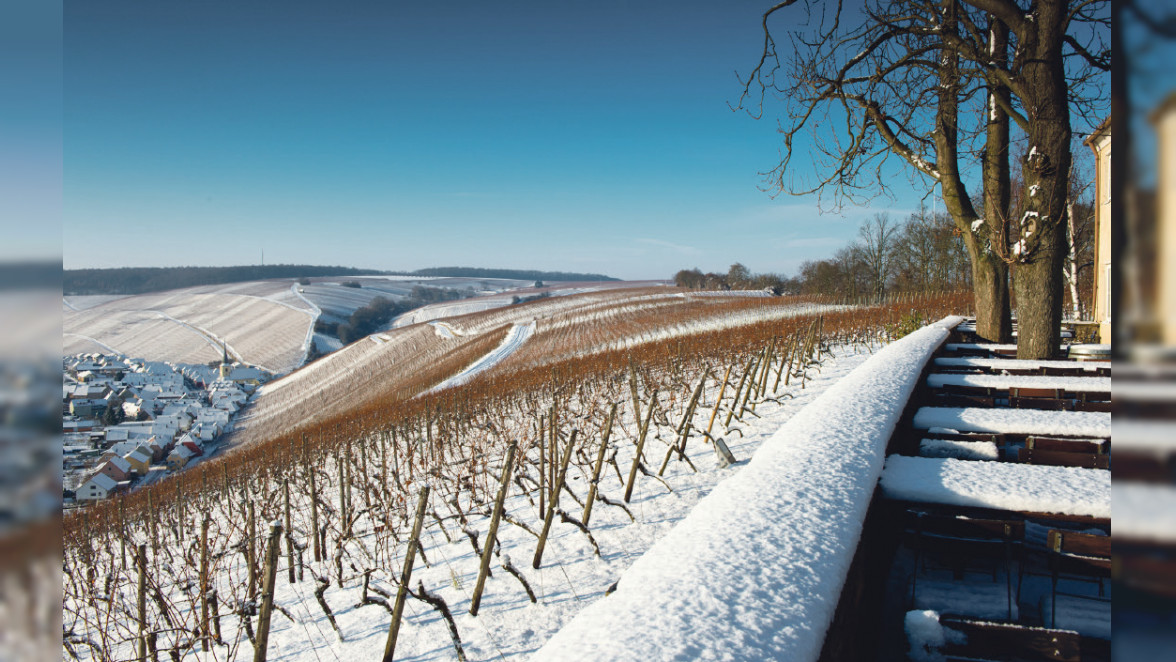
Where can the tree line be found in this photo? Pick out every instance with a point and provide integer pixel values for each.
(511, 274)
(923, 254)
(138, 280)
(381, 310)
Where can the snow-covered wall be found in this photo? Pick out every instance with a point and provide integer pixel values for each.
(755, 571)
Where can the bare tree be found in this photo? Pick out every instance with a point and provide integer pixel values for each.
(930, 82)
(877, 245)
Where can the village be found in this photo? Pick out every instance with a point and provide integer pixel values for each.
(128, 422)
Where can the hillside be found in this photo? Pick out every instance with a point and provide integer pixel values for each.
(607, 406)
(138, 280)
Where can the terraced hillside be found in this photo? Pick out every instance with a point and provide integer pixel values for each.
(361, 469)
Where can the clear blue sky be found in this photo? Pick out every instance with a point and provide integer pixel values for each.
(587, 136)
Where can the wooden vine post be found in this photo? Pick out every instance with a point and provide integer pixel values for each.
(492, 535)
(289, 531)
(738, 390)
(679, 444)
(141, 603)
(640, 448)
(554, 501)
(314, 519)
(718, 401)
(267, 592)
(204, 583)
(599, 463)
(406, 575)
(250, 555)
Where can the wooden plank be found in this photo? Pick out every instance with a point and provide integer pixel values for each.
(1063, 458)
(1005, 641)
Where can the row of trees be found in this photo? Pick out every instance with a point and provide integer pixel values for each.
(923, 254)
(945, 87)
(738, 277)
(137, 280)
(381, 310)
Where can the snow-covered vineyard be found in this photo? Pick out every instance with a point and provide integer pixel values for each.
(701, 499)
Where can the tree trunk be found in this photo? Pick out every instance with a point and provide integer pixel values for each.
(989, 273)
(1041, 232)
(1071, 271)
(990, 288)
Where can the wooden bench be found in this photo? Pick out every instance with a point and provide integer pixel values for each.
(1145, 567)
(955, 542)
(1067, 445)
(1059, 458)
(1077, 556)
(1009, 641)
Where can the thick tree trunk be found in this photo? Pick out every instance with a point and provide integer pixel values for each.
(1038, 284)
(990, 286)
(1041, 232)
(989, 273)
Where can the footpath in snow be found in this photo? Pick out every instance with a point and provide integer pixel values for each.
(756, 569)
(514, 339)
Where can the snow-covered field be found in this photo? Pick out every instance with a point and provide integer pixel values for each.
(561, 326)
(263, 323)
(571, 578)
(351, 421)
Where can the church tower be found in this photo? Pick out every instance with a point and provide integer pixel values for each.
(225, 366)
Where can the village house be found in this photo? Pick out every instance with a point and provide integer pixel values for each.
(140, 459)
(179, 457)
(115, 468)
(97, 487)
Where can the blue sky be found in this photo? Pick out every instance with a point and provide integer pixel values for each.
(395, 135)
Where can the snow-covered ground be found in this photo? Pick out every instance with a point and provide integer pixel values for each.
(572, 577)
(755, 571)
(515, 338)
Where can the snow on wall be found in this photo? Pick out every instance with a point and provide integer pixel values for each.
(755, 570)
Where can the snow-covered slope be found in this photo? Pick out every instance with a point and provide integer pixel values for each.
(756, 569)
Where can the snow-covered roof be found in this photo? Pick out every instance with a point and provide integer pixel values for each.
(755, 570)
(183, 452)
(141, 453)
(103, 481)
(1000, 485)
(119, 463)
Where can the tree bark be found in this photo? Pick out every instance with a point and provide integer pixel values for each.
(1041, 231)
(989, 273)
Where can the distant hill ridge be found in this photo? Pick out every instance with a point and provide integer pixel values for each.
(139, 280)
(513, 274)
